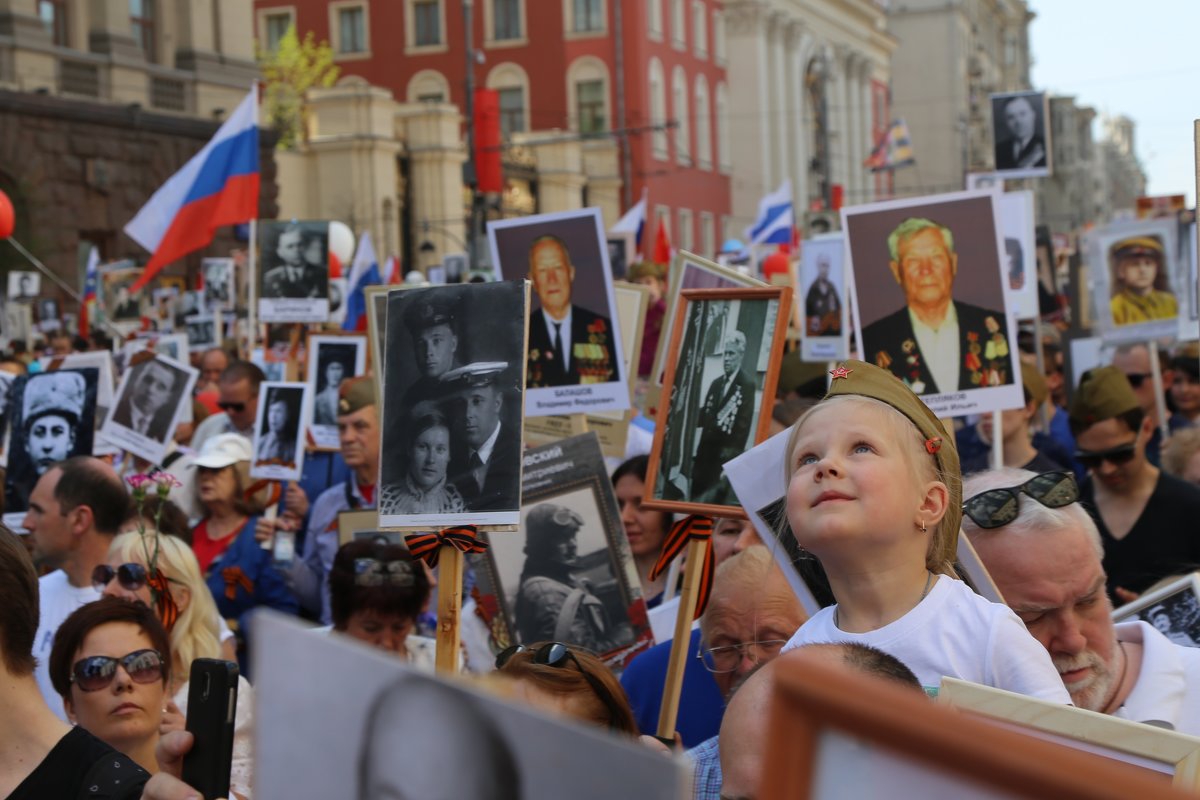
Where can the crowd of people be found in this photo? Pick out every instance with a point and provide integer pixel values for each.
(120, 580)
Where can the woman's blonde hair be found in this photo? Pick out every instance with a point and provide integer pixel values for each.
(195, 634)
(943, 542)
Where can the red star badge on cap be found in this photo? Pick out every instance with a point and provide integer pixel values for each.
(840, 372)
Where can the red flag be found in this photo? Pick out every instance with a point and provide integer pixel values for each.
(662, 244)
(488, 169)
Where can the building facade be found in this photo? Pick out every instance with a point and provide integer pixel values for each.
(646, 76)
(101, 101)
(1121, 178)
(811, 100)
(950, 57)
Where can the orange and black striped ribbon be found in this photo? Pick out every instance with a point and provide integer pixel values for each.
(428, 546)
(693, 528)
(258, 486)
(234, 577)
(164, 603)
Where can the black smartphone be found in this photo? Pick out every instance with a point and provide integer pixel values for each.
(212, 703)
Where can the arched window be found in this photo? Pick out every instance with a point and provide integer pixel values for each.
(654, 19)
(658, 108)
(724, 160)
(511, 83)
(679, 110)
(703, 125)
(428, 86)
(587, 92)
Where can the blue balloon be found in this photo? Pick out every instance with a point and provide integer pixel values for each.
(732, 246)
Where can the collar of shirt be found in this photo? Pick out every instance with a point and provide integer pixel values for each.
(1161, 686)
(138, 420)
(564, 330)
(485, 450)
(939, 347)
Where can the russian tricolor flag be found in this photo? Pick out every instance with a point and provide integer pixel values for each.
(90, 277)
(218, 186)
(634, 221)
(364, 272)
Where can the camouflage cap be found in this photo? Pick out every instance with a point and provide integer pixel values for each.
(356, 394)
(1103, 393)
(1035, 384)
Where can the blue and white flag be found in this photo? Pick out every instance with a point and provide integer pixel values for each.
(364, 272)
(775, 218)
(633, 222)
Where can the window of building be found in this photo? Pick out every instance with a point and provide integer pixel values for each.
(589, 106)
(352, 29)
(678, 25)
(274, 26)
(708, 241)
(141, 22)
(724, 159)
(428, 86)
(654, 19)
(588, 95)
(658, 109)
(685, 230)
(703, 125)
(679, 111)
(506, 20)
(700, 29)
(512, 111)
(588, 16)
(427, 23)
(718, 32)
(53, 14)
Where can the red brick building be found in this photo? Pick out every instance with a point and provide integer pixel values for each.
(659, 85)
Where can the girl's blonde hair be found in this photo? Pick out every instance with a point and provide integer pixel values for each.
(195, 634)
(943, 542)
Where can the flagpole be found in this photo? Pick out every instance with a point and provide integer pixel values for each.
(42, 268)
(252, 263)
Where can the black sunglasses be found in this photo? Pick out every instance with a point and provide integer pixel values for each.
(131, 576)
(996, 508)
(238, 407)
(1116, 455)
(94, 673)
(1136, 379)
(557, 654)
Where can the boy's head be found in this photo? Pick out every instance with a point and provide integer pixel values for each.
(19, 599)
(1137, 265)
(928, 452)
(1110, 428)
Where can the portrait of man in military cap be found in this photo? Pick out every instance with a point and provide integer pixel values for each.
(293, 271)
(53, 418)
(452, 408)
(1140, 289)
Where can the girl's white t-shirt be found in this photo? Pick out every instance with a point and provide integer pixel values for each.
(956, 633)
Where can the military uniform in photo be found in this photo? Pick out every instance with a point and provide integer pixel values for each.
(573, 351)
(725, 420)
(303, 281)
(423, 318)
(484, 471)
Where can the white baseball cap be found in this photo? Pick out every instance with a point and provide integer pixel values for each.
(224, 450)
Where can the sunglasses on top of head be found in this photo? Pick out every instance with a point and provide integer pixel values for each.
(557, 654)
(996, 508)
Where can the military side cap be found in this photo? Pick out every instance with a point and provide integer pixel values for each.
(54, 393)
(867, 380)
(356, 394)
(424, 314)
(1138, 246)
(1103, 393)
(1035, 384)
(477, 373)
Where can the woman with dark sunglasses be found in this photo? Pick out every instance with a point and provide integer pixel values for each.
(111, 664)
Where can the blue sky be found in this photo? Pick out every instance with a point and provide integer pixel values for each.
(1139, 59)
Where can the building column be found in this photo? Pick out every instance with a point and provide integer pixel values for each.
(436, 155)
(835, 62)
(799, 121)
(778, 165)
(602, 169)
(792, 33)
(747, 80)
(559, 171)
(868, 128)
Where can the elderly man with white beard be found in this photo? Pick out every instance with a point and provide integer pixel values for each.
(1044, 552)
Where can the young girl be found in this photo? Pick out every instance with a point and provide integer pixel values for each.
(874, 492)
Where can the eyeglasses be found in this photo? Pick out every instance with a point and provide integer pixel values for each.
(235, 407)
(557, 654)
(373, 572)
(1136, 379)
(1115, 456)
(131, 576)
(996, 508)
(720, 660)
(94, 673)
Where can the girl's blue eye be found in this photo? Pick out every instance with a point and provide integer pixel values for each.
(807, 459)
(862, 447)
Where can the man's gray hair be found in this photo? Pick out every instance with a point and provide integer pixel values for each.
(737, 339)
(1033, 519)
(910, 228)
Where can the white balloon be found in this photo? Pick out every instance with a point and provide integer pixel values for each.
(341, 241)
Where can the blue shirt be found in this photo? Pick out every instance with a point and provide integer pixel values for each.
(701, 705)
(706, 770)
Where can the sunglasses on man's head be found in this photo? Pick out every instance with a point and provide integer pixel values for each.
(996, 508)
(236, 407)
(1091, 459)
(557, 654)
(94, 673)
(131, 576)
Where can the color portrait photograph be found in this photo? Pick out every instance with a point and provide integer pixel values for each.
(1136, 285)
(826, 332)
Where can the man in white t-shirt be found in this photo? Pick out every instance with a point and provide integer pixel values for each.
(1046, 564)
(75, 510)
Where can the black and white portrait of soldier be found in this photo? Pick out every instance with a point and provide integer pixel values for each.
(725, 422)
(275, 439)
(149, 400)
(1022, 143)
(218, 283)
(23, 285)
(126, 306)
(822, 303)
(202, 331)
(293, 259)
(53, 418)
(432, 324)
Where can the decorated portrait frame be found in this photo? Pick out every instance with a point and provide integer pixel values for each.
(689, 346)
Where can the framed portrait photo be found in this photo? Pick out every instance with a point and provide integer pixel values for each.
(121, 305)
(928, 279)
(220, 284)
(454, 367)
(204, 331)
(575, 356)
(24, 285)
(293, 273)
(1136, 285)
(1173, 609)
(1021, 134)
(331, 360)
(148, 404)
(726, 348)
(567, 575)
(622, 250)
(279, 431)
(825, 335)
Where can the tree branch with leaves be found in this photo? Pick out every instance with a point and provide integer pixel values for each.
(290, 70)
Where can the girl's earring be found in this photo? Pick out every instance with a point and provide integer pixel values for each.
(923, 527)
